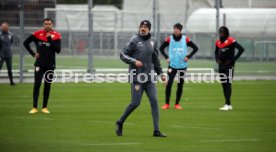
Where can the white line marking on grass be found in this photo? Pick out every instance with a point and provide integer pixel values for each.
(108, 122)
(37, 118)
(205, 128)
(111, 144)
(233, 140)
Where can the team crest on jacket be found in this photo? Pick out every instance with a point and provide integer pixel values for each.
(152, 43)
(37, 69)
(137, 87)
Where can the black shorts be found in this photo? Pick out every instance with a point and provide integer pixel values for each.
(226, 73)
(172, 73)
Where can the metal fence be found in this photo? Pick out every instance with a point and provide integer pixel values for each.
(114, 24)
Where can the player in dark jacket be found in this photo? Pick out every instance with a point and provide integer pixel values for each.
(6, 40)
(141, 53)
(48, 43)
(226, 58)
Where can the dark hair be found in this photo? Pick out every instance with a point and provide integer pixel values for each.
(47, 19)
(224, 30)
(178, 25)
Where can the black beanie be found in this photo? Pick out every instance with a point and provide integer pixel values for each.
(146, 23)
(178, 25)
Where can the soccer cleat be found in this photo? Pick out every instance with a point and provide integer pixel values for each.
(178, 107)
(165, 106)
(33, 111)
(119, 128)
(226, 107)
(45, 110)
(157, 133)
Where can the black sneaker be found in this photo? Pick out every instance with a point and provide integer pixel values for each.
(12, 84)
(119, 128)
(157, 133)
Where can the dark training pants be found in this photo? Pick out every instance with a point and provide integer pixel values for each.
(226, 77)
(137, 90)
(8, 61)
(48, 76)
(171, 74)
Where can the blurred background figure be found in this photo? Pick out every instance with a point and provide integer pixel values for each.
(6, 40)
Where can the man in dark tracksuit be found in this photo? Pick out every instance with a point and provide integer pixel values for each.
(6, 40)
(178, 62)
(48, 43)
(141, 53)
(226, 58)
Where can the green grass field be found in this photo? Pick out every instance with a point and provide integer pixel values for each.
(83, 119)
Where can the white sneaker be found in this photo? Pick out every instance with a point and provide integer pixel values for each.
(226, 107)
(230, 107)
